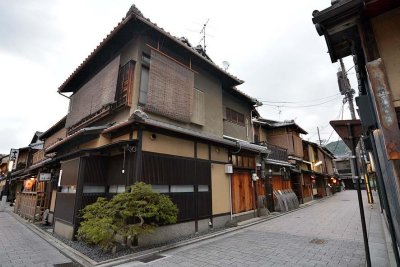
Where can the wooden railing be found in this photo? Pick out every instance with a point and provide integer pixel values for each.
(277, 153)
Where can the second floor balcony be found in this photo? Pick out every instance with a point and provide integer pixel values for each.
(277, 152)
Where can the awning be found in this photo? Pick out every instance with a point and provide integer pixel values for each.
(89, 131)
(40, 164)
(142, 119)
(278, 162)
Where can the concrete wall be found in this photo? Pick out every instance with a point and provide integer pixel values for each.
(202, 151)
(167, 145)
(63, 229)
(387, 36)
(219, 154)
(220, 189)
(232, 129)
(170, 232)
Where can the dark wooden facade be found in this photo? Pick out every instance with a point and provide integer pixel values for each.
(170, 171)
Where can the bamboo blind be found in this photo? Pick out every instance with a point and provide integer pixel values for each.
(171, 88)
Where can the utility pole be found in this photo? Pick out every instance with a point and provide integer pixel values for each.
(319, 137)
(345, 89)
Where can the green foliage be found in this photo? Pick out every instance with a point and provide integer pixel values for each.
(131, 214)
(338, 148)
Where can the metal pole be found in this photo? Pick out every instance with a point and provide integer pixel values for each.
(360, 202)
(319, 137)
(349, 95)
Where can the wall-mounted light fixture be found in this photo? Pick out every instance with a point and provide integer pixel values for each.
(318, 163)
(10, 165)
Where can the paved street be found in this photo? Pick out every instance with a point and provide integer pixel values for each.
(19, 246)
(327, 233)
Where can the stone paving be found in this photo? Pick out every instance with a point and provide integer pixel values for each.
(327, 233)
(19, 246)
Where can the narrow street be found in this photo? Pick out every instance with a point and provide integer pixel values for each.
(19, 246)
(327, 233)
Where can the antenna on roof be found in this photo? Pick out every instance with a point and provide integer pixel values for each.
(225, 65)
(203, 38)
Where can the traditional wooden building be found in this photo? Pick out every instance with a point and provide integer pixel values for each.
(25, 188)
(147, 106)
(369, 32)
(3, 171)
(320, 173)
(288, 169)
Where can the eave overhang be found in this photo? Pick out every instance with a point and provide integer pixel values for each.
(338, 24)
(119, 36)
(151, 124)
(84, 134)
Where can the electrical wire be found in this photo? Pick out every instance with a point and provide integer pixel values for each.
(303, 106)
(340, 112)
(295, 102)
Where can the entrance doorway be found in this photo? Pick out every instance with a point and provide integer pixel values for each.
(242, 192)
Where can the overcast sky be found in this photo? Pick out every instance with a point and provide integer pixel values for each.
(271, 45)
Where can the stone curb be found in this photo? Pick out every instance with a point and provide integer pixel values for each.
(88, 262)
(59, 245)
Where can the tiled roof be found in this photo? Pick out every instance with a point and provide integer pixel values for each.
(83, 131)
(136, 14)
(279, 124)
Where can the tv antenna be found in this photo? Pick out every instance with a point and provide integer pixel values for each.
(225, 64)
(203, 32)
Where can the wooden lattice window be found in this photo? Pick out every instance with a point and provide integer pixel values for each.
(234, 116)
(123, 95)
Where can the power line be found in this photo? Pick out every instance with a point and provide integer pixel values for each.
(337, 117)
(303, 106)
(296, 102)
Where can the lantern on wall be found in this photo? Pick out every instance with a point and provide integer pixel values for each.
(28, 184)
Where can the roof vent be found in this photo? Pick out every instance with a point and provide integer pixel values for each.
(133, 9)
